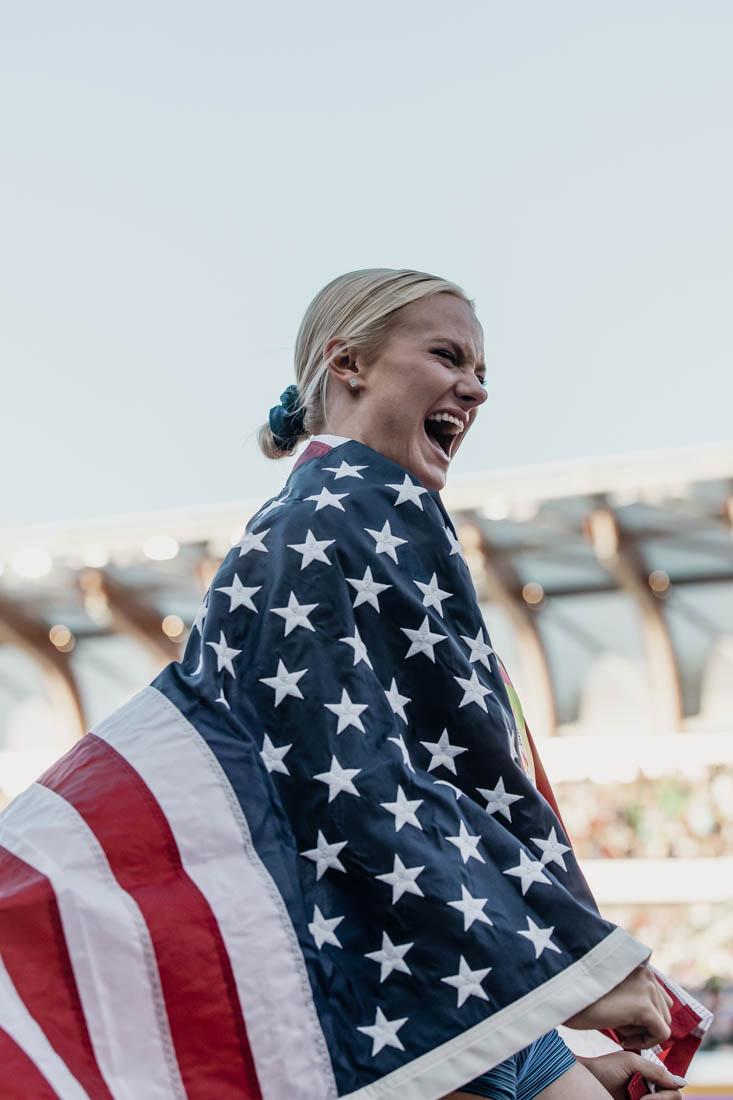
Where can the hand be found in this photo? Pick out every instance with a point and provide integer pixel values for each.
(614, 1071)
(638, 1009)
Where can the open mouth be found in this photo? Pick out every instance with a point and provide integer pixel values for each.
(441, 442)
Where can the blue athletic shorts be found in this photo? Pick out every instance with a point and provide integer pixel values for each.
(527, 1072)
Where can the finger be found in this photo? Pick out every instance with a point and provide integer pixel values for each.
(663, 1006)
(640, 1038)
(635, 1046)
(637, 1041)
(663, 991)
(674, 1094)
(655, 1024)
(658, 1074)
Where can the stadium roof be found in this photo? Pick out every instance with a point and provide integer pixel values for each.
(607, 584)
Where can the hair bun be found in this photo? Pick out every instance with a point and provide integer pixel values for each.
(287, 419)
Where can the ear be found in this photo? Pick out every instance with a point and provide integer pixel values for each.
(341, 363)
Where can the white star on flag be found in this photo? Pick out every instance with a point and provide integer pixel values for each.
(442, 753)
(539, 937)
(422, 640)
(444, 783)
(480, 650)
(345, 470)
(397, 701)
(198, 622)
(273, 757)
(455, 546)
(360, 652)
(499, 800)
(473, 691)
(467, 844)
(367, 589)
(252, 541)
(433, 596)
(528, 870)
(326, 499)
(468, 982)
(312, 549)
(399, 742)
(402, 880)
(404, 811)
(472, 909)
(295, 614)
(338, 780)
(325, 855)
(385, 541)
(239, 596)
(383, 1032)
(391, 957)
(322, 928)
(224, 654)
(272, 505)
(407, 490)
(221, 698)
(347, 712)
(284, 683)
(552, 849)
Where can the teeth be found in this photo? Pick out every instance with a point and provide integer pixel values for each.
(449, 418)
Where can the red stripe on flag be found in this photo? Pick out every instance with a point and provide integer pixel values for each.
(315, 449)
(206, 1022)
(543, 783)
(37, 960)
(21, 1079)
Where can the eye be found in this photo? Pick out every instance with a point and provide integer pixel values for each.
(447, 354)
(453, 359)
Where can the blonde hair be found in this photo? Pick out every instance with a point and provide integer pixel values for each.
(359, 307)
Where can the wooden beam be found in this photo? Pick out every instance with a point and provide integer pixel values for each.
(503, 586)
(31, 635)
(618, 552)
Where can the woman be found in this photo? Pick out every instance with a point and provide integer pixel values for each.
(411, 346)
(311, 860)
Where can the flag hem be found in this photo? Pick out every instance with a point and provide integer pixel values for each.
(455, 1063)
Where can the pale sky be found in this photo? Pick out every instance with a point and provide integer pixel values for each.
(178, 180)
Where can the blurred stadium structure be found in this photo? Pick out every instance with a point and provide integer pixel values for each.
(607, 588)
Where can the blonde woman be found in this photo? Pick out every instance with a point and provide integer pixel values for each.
(313, 858)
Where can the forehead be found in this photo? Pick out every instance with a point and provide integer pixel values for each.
(443, 316)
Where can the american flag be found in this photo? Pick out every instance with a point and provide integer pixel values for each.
(318, 857)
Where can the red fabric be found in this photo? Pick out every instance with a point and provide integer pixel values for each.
(313, 450)
(21, 1079)
(543, 783)
(195, 971)
(36, 958)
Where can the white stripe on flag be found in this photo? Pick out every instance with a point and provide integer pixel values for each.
(25, 1032)
(216, 849)
(108, 943)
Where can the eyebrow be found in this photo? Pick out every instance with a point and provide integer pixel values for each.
(456, 347)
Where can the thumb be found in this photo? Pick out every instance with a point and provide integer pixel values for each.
(659, 1075)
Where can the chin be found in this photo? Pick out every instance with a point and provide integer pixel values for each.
(433, 479)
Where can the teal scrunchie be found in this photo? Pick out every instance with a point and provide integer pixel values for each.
(286, 421)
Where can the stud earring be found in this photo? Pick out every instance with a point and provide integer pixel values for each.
(353, 382)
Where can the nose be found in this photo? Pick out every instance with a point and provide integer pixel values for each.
(471, 392)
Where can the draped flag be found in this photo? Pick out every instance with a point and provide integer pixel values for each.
(318, 857)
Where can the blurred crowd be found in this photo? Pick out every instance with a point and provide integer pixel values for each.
(667, 817)
(718, 997)
(692, 941)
